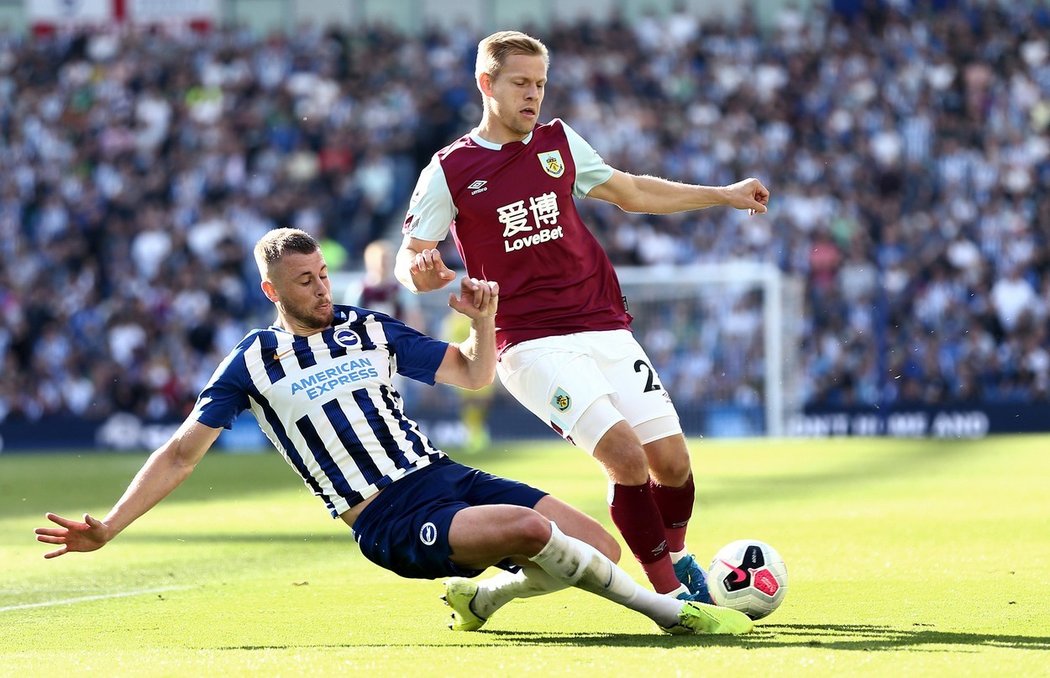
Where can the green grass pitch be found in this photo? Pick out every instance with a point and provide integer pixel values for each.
(905, 557)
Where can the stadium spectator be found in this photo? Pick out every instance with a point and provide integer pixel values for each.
(379, 290)
(878, 119)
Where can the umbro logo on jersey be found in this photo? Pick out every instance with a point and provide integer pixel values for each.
(478, 187)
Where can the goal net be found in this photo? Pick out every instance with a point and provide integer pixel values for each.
(725, 340)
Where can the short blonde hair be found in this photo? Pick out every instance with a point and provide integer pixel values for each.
(275, 244)
(494, 50)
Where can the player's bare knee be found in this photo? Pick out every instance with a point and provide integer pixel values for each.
(671, 470)
(669, 461)
(531, 532)
(626, 466)
(624, 460)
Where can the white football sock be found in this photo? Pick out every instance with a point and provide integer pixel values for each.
(503, 587)
(579, 564)
(678, 555)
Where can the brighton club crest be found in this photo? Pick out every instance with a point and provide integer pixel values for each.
(552, 163)
(344, 336)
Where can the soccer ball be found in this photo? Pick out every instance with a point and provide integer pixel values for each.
(750, 576)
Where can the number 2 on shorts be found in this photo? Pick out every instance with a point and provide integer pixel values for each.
(650, 380)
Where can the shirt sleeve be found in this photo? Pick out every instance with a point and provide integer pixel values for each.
(225, 396)
(591, 170)
(431, 210)
(416, 355)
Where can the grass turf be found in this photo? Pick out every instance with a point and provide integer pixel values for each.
(906, 557)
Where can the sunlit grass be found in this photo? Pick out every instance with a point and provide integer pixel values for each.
(906, 557)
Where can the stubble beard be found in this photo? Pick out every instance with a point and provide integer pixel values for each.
(526, 129)
(524, 125)
(314, 320)
(516, 123)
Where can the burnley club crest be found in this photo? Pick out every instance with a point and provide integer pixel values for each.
(552, 163)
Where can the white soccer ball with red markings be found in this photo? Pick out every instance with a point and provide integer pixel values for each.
(750, 576)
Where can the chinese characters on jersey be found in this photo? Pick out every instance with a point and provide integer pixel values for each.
(527, 226)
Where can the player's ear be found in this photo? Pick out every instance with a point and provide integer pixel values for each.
(485, 84)
(269, 290)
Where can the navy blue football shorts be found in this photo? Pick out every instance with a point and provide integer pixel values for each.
(405, 529)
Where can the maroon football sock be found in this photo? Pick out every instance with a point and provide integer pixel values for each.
(636, 515)
(676, 507)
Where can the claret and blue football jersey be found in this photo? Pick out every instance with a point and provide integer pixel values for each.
(325, 401)
(511, 212)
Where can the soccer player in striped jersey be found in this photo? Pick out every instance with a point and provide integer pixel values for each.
(506, 192)
(319, 384)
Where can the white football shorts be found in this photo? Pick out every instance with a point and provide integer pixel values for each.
(582, 384)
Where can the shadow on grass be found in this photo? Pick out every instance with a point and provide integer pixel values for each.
(854, 637)
(845, 637)
(871, 638)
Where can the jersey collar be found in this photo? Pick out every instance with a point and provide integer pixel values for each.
(340, 316)
(492, 146)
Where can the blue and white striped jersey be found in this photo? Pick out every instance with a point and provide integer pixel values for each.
(326, 401)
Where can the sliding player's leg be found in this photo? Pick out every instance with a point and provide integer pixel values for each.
(482, 535)
(473, 601)
(580, 565)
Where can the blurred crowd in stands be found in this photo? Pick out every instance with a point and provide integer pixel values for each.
(906, 149)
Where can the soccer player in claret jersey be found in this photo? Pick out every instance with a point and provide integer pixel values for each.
(319, 383)
(506, 191)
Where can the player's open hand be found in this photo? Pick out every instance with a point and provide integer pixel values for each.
(429, 271)
(749, 195)
(477, 298)
(73, 535)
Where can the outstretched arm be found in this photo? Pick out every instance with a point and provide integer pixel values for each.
(472, 363)
(165, 470)
(419, 266)
(652, 195)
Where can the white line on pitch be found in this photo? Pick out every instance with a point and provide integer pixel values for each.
(85, 599)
